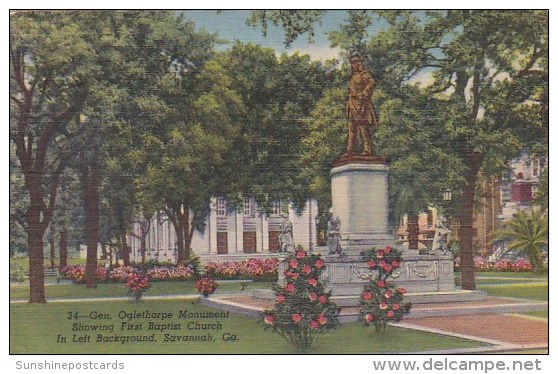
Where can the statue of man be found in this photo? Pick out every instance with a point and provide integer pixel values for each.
(286, 240)
(440, 241)
(360, 110)
(333, 235)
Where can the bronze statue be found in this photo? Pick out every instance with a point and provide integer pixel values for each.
(360, 110)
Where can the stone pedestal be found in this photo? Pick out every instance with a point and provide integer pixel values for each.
(346, 275)
(359, 191)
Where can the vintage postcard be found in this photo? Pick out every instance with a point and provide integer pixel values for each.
(195, 182)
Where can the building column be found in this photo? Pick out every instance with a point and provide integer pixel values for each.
(212, 226)
(265, 233)
(259, 226)
(239, 232)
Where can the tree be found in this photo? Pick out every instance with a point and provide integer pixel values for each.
(488, 67)
(528, 233)
(50, 65)
(278, 95)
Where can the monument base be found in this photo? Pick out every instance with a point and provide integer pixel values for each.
(428, 279)
(346, 274)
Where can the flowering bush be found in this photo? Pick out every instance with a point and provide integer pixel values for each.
(380, 301)
(206, 286)
(482, 264)
(170, 273)
(75, 273)
(302, 307)
(120, 273)
(257, 269)
(137, 284)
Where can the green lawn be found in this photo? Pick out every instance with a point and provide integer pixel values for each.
(537, 291)
(34, 329)
(492, 277)
(537, 313)
(57, 291)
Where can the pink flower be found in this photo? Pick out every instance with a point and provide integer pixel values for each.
(381, 283)
(388, 294)
(388, 249)
(390, 314)
(319, 264)
(395, 264)
(288, 273)
(290, 287)
(300, 254)
(312, 281)
(367, 295)
(369, 318)
(322, 320)
(383, 305)
(313, 324)
(313, 296)
(323, 299)
(293, 263)
(269, 319)
(280, 298)
(382, 263)
(295, 275)
(371, 264)
(395, 306)
(387, 268)
(297, 318)
(380, 254)
(401, 290)
(306, 269)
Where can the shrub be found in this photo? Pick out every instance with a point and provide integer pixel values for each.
(303, 309)
(137, 284)
(170, 273)
(380, 301)
(17, 273)
(206, 286)
(256, 269)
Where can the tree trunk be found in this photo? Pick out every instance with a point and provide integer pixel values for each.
(143, 247)
(413, 231)
(63, 247)
(473, 161)
(104, 253)
(51, 245)
(124, 249)
(36, 263)
(90, 180)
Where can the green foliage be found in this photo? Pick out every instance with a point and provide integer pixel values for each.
(293, 22)
(380, 302)
(303, 309)
(527, 232)
(17, 273)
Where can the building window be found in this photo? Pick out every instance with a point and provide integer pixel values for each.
(276, 207)
(536, 167)
(221, 207)
(248, 207)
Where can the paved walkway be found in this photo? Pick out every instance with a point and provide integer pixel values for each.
(488, 321)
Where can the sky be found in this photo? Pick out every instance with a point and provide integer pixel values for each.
(231, 25)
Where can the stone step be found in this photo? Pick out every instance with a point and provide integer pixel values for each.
(414, 298)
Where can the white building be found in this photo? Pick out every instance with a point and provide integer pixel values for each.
(241, 233)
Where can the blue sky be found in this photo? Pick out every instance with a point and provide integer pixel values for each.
(231, 25)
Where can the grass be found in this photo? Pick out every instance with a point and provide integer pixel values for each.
(522, 291)
(35, 328)
(537, 313)
(61, 291)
